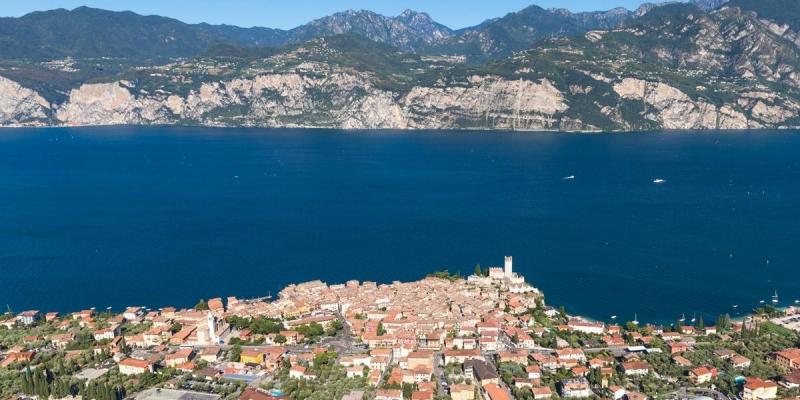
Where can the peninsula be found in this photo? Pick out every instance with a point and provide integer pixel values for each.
(490, 336)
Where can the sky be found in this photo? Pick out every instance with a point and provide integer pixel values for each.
(287, 14)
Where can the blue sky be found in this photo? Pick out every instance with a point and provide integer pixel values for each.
(290, 13)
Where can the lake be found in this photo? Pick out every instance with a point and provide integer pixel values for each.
(156, 216)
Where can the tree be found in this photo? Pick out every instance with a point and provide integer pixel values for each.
(478, 271)
(280, 339)
(201, 305)
(236, 352)
(701, 324)
(381, 330)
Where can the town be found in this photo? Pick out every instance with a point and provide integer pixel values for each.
(488, 336)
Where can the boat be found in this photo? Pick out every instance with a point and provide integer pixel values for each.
(735, 306)
(613, 317)
(775, 298)
(683, 318)
(762, 301)
(658, 181)
(694, 318)
(635, 319)
(568, 178)
(797, 302)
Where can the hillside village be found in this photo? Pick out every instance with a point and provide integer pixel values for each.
(488, 336)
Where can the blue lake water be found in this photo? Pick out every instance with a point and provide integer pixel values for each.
(166, 216)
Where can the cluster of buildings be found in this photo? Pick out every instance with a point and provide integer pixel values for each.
(440, 336)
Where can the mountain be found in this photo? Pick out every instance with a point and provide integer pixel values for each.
(784, 12)
(410, 30)
(671, 66)
(89, 32)
(519, 30)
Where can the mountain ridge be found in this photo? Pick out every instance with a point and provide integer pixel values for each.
(675, 66)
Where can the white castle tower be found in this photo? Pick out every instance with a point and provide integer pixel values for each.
(508, 267)
(212, 329)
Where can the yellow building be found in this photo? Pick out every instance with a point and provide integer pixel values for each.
(252, 357)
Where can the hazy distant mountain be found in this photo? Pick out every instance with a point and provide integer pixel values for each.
(88, 32)
(519, 30)
(91, 32)
(410, 30)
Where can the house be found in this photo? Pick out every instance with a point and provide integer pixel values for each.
(576, 387)
(389, 394)
(677, 347)
(107, 333)
(702, 374)
(420, 358)
(636, 368)
(791, 381)
(724, 354)
(614, 340)
(300, 372)
(252, 357)
(757, 389)
(130, 366)
(422, 395)
(571, 354)
(210, 354)
(534, 372)
(541, 392)
(493, 391)
(258, 394)
(710, 330)
(591, 328)
(462, 392)
(681, 361)
(483, 372)
(788, 359)
(17, 356)
(179, 357)
(29, 317)
(740, 362)
(460, 356)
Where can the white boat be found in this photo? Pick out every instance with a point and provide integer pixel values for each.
(683, 318)
(659, 181)
(775, 298)
(613, 317)
(762, 301)
(568, 178)
(735, 306)
(694, 317)
(635, 319)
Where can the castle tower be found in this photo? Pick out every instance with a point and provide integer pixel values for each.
(212, 329)
(508, 268)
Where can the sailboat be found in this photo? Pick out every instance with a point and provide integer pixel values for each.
(775, 298)
(683, 318)
(635, 319)
(613, 317)
(694, 317)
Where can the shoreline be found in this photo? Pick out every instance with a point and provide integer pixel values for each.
(781, 129)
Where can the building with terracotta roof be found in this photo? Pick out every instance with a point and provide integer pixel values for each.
(758, 389)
